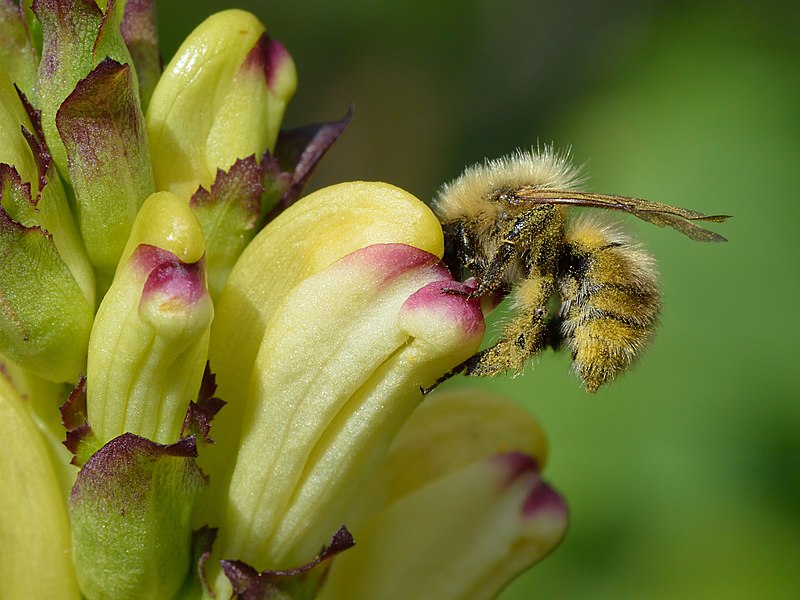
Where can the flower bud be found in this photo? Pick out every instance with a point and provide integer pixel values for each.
(221, 98)
(34, 530)
(149, 343)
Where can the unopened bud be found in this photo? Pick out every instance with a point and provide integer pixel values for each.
(221, 98)
(150, 340)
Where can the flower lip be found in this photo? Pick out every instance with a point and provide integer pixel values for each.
(148, 257)
(518, 464)
(176, 281)
(543, 499)
(268, 55)
(168, 275)
(451, 297)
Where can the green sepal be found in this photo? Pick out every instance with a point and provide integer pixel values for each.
(102, 127)
(228, 214)
(80, 439)
(17, 142)
(300, 583)
(17, 203)
(297, 153)
(34, 163)
(46, 317)
(130, 510)
(17, 54)
(200, 413)
(76, 36)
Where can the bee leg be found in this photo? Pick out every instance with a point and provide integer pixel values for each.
(494, 274)
(451, 373)
(523, 336)
(554, 337)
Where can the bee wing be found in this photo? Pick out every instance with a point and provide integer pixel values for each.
(652, 212)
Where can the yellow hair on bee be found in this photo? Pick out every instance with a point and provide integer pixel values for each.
(610, 300)
(541, 168)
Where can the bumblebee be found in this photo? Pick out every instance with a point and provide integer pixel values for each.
(572, 281)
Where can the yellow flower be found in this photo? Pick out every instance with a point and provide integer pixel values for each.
(159, 272)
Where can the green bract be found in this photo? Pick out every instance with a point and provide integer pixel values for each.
(46, 284)
(158, 272)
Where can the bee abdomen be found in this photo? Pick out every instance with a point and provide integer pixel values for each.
(610, 301)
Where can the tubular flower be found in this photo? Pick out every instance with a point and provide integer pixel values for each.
(161, 271)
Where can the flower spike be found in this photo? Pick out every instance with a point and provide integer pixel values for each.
(153, 229)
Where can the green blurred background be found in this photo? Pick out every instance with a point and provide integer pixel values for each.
(683, 478)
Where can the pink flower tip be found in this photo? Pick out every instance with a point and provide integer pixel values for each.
(169, 277)
(452, 300)
(543, 499)
(268, 56)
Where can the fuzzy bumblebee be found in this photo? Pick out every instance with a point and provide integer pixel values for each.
(508, 222)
